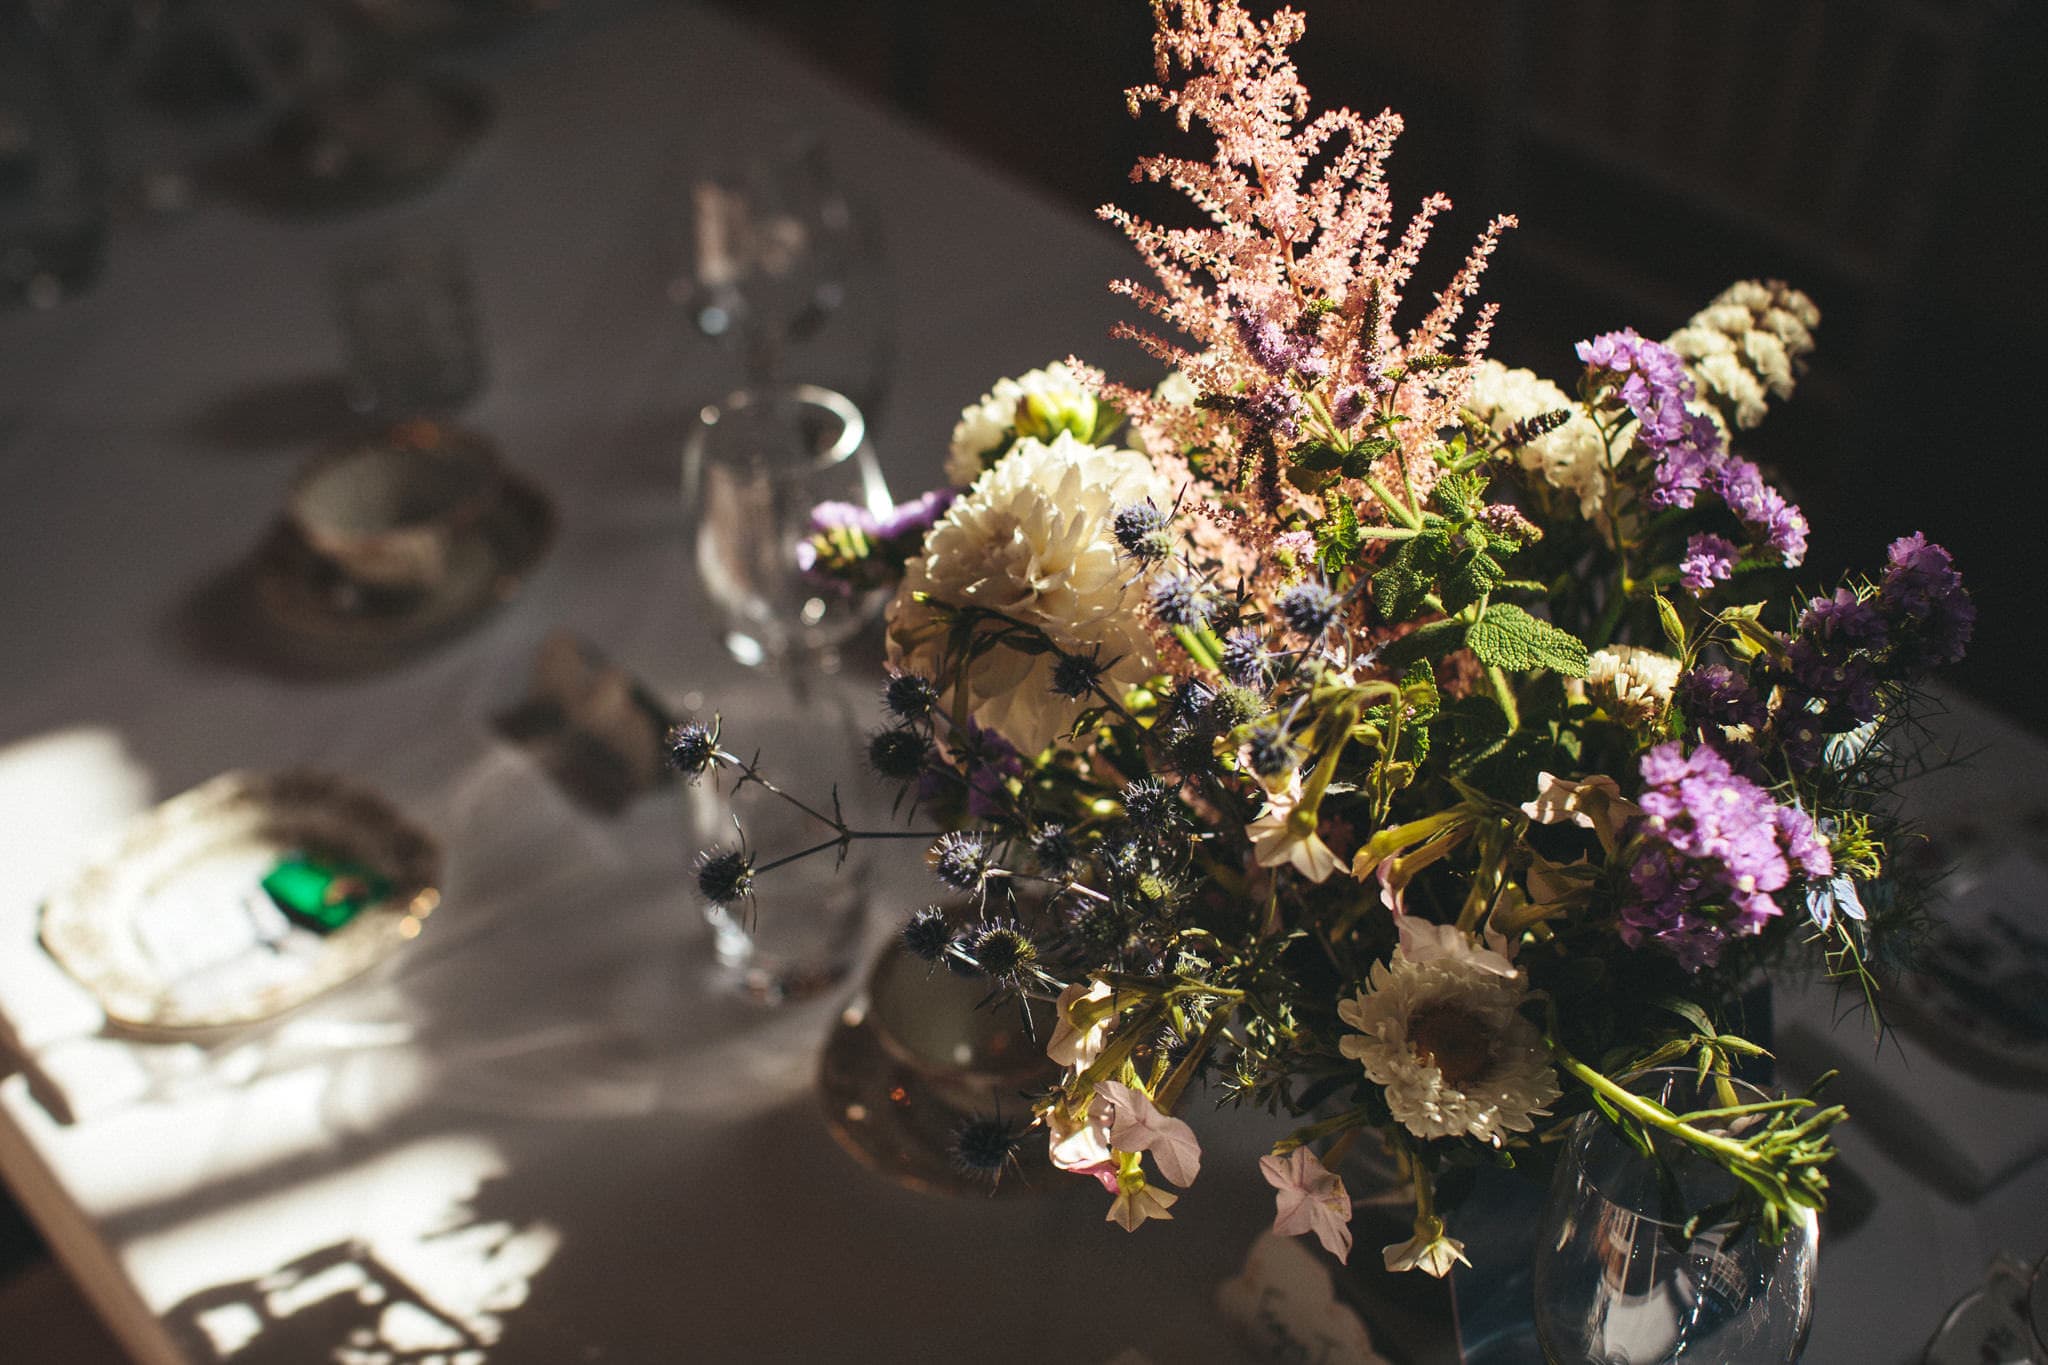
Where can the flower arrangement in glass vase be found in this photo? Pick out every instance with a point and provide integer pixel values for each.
(1364, 730)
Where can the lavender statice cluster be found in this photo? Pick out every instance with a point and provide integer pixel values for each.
(859, 550)
(1690, 453)
(1846, 647)
(1708, 852)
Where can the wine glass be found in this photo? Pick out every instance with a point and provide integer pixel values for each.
(1620, 1281)
(756, 467)
(773, 263)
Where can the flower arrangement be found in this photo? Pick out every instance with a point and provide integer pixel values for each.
(1367, 731)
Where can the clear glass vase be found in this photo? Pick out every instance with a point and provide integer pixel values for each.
(1620, 1282)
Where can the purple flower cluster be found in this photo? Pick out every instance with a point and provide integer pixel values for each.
(1715, 695)
(1709, 850)
(1761, 508)
(1709, 559)
(1276, 349)
(1691, 457)
(854, 547)
(1274, 411)
(985, 761)
(1922, 596)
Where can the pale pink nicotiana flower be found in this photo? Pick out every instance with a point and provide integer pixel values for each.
(1596, 804)
(1309, 1198)
(1074, 1045)
(1136, 1125)
(1278, 838)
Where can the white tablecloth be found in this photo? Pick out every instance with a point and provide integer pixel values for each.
(539, 1122)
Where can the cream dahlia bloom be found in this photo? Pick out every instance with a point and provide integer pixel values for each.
(1032, 538)
(1632, 683)
(1443, 1032)
(1572, 458)
(1041, 404)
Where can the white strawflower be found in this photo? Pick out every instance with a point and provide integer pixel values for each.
(1042, 404)
(1572, 458)
(1032, 539)
(1443, 1033)
(1632, 683)
(1747, 346)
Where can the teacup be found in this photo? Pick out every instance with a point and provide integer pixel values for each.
(388, 512)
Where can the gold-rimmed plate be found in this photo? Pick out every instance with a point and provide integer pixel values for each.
(174, 935)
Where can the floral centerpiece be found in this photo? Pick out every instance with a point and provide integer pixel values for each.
(1359, 729)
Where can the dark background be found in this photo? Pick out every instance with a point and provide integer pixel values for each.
(1885, 156)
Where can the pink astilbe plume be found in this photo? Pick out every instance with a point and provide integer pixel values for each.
(1286, 300)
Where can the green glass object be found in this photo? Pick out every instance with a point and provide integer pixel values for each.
(323, 894)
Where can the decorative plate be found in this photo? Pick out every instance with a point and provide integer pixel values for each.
(183, 926)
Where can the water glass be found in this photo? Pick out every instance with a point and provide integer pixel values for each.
(409, 324)
(1619, 1283)
(800, 933)
(53, 159)
(755, 467)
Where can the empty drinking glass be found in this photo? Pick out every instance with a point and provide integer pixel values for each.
(1620, 1282)
(799, 933)
(408, 320)
(770, 259)
(53, 162)
(756, 468)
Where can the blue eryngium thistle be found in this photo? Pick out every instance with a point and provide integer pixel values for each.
(985, 1146)
(897, 754)
(1075, 675)
(1244, 659)
(725, 875)
(1309, 609)
(927, 935)
(909, 697)
(693, 748)
(1142, 533)
(1002, 950)
(1179, 600)
(1152, 806)
(1272, 753)
(1055, 850)
(960, 859)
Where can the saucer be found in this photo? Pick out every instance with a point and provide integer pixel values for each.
(174, 933)
(321, 617)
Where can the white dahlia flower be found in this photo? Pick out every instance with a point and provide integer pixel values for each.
(1632, 683)
(1032, 539)
(1042, 404)
(1571, 458)
(1442, 1031)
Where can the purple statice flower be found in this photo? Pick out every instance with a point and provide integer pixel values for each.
(982, 759)
(1715, 695)
(1688, 465)
(1922, 597)
(1762, 509)
(842, 516)
(1707, 853)
(1845, 684)
(1709, 559)
(1844, 620)
(1652, 382)
(915, 517)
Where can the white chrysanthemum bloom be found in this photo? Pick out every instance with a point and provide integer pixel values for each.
(1632, 683)
(1041, 403)
(1572, 458)
(1446, 1038)
(1032, 539)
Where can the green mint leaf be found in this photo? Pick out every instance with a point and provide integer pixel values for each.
(1510, 638)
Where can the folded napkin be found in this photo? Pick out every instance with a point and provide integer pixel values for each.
(1943, 1107)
